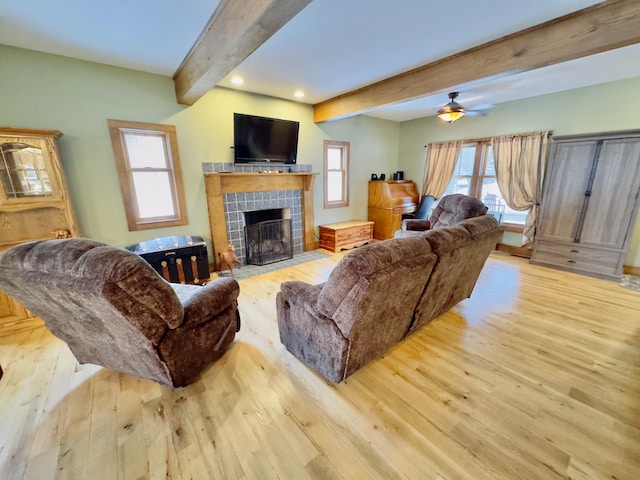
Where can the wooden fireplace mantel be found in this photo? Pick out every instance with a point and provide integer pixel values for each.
(217, 184)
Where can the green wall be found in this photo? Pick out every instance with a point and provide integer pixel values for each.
(584, 110)
(77, 98)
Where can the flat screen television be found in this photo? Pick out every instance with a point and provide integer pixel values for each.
(263, 140)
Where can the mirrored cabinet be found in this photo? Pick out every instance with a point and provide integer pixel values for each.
(34, 199)
(23, 171)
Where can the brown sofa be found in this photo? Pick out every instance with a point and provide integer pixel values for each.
(380, 293)
(113, 309)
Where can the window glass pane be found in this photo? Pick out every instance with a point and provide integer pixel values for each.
(458, 185)
(496, 205)
(153, 194)
(334, 158)
(490, 168)
(334, 186)
(23, 171)
(466, 161)
(146, 151)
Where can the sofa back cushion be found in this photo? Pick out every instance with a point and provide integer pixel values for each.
(107, 304)
(462, 251)
(372, 293)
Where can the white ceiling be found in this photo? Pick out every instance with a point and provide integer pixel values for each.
(331, 47)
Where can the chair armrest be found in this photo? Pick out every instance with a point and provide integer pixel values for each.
(416, 225)
(201, 303)
(302, 294)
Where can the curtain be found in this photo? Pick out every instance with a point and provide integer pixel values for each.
(439, 165)
(520, 162)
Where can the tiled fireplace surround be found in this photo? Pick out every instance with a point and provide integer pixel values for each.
(235, 203)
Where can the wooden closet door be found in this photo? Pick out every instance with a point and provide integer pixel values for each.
(564, 197)
(616, 184)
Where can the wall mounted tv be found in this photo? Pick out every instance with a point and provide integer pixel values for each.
(264, 140)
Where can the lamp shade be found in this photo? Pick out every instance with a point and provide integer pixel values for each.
(452, 111)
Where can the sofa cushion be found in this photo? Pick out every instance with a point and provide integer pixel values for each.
(481, 227)
(348, 278)
(447, 238)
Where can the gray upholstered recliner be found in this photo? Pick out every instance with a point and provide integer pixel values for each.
(364, 308)
(450, 210)
(113, 309)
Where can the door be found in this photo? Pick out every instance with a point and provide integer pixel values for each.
(564, 196)
(616, 183)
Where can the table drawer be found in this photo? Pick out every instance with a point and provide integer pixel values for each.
(578, 257)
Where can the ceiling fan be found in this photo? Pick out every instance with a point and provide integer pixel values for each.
(453, 111)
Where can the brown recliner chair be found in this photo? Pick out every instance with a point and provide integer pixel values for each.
(113, 309)
(450, 210)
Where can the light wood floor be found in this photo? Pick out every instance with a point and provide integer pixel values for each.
(536, 376)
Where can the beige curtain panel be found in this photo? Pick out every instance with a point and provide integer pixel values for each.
(520, 162)
(439, 165)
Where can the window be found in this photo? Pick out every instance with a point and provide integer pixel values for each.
(148, 167)
(336, 174)
(475, 175)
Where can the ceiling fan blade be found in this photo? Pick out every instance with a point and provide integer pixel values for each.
(486, 106)
(476, 113)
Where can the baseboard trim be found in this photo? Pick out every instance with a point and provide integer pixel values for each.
(515, 251)
(631, 270)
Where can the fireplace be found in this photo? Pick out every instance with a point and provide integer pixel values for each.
(268, 236)
(232, 194)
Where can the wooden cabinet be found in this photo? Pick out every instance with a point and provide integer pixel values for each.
(388, 200)
(34, 199)
(590, 203)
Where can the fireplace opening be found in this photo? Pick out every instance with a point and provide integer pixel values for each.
(268, 236)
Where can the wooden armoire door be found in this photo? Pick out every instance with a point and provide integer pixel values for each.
(567, 182)
(616, 182)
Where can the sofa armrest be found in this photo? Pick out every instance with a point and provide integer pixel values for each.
(301, 292)
(312, 337)
(202, 303)
(415, 225)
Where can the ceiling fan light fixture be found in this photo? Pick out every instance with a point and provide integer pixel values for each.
(452, 111)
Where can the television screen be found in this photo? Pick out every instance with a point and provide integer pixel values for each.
(262, 139)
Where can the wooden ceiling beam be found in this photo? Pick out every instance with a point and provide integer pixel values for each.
(234, 31)
(602, 27)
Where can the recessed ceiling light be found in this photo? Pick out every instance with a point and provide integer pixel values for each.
(237, 81)
(298, 94)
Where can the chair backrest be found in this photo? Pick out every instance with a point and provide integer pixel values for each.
(107, 304)
(462, 251)
(451, 209)
(372, 293)
(424, 209)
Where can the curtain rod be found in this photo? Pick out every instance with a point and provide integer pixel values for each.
(467, 140)
(488, 139)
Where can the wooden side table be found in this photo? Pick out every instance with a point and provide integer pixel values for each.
(345, 235)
